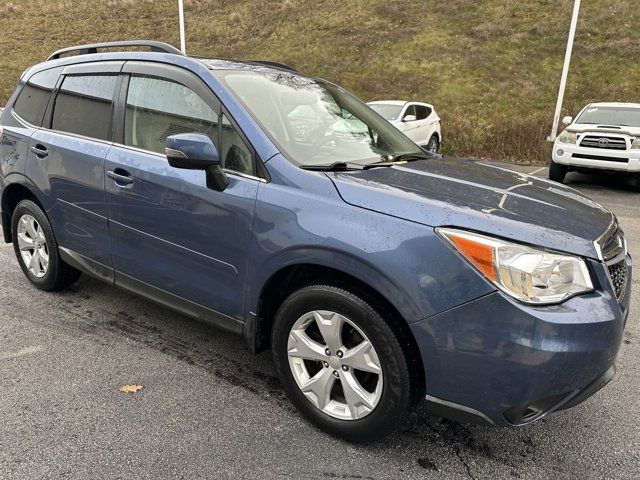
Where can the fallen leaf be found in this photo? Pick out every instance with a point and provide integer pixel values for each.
(131, 388)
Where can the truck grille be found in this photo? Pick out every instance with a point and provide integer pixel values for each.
(610, 143)
(618, 274)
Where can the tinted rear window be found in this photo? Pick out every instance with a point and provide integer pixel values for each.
(34, 97)
(84, 105)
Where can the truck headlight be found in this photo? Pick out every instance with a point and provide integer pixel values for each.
(636, 143)
(568, 137)
(528, 274)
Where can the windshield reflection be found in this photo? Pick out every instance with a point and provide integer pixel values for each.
(315, 122)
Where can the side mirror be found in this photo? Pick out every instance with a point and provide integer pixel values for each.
(409, 118)
(195, 151)
(567, 121)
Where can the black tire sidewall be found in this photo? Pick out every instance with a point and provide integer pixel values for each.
(396, 393)
(48, 281)
(557, 172)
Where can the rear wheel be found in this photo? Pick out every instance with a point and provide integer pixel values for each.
(37, 250)
(341, 364)
(557, 172)
(638, 184)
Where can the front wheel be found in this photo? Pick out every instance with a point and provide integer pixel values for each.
(433, 144)
(557, 172)
(37, 250)
(638, 184)
(342, 365)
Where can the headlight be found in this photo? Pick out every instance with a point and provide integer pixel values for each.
(636, 143)
(568, 137)
(527, 274)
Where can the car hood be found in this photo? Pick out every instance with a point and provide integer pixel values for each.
(624, 130)
(476, 196)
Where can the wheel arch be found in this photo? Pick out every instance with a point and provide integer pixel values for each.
(291, 277)
(13, 194)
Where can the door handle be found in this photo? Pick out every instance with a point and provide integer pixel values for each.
(40, 151)
(121, 177)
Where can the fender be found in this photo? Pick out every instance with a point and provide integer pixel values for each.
(336, 260)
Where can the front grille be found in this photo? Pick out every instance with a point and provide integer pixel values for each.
(598, 157)
(618, 274)
(610, 143)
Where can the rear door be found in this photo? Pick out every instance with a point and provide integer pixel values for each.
(24, 116)
(173, 238)
(67, 161)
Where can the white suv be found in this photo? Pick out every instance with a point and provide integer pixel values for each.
(604, 136)
(418, 121)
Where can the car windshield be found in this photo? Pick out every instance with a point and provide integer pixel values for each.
(315, 122)
(390, 112)
(619, 116)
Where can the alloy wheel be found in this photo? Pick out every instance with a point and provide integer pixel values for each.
(432, 146)
(335, 365)
(33, 246)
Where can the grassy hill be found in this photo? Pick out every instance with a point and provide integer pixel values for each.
(490, 66)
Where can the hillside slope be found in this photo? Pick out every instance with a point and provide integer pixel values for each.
(491, 67)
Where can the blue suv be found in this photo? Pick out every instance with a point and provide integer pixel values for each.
(281, 208)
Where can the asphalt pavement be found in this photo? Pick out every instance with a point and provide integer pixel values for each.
(210, 409)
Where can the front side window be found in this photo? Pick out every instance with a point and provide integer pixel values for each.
(34, 97)
(422, 112)
(84, 106)
(314, 122)
(158, 108)
(411, 110)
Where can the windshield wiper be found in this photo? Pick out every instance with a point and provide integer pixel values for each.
(389, 161)
(333, 167)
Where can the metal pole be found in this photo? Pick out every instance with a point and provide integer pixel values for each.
(565, 71)
(181, 18)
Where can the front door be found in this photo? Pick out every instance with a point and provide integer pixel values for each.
(408, 126)
(170, 233)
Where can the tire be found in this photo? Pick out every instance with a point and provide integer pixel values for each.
(638, 184)
(52, 275)
(557, 172)
(391, 393)
(433, 145)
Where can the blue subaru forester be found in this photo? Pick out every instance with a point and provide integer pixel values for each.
(281, 208)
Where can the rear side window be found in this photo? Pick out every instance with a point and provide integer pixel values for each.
(158, 108)
(84, 106)
(34, 97)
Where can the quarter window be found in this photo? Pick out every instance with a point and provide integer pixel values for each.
(34, 97)
(235, 155)
(84, 106)
(158, 108)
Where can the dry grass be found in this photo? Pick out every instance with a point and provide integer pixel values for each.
(491, 67)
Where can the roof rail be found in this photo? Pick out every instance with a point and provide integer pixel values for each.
(269, 63)
(93, 48)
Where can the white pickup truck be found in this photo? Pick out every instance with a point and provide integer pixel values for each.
(604, 136)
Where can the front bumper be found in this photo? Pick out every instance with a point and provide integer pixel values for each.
(575, 156)
(497, 361)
